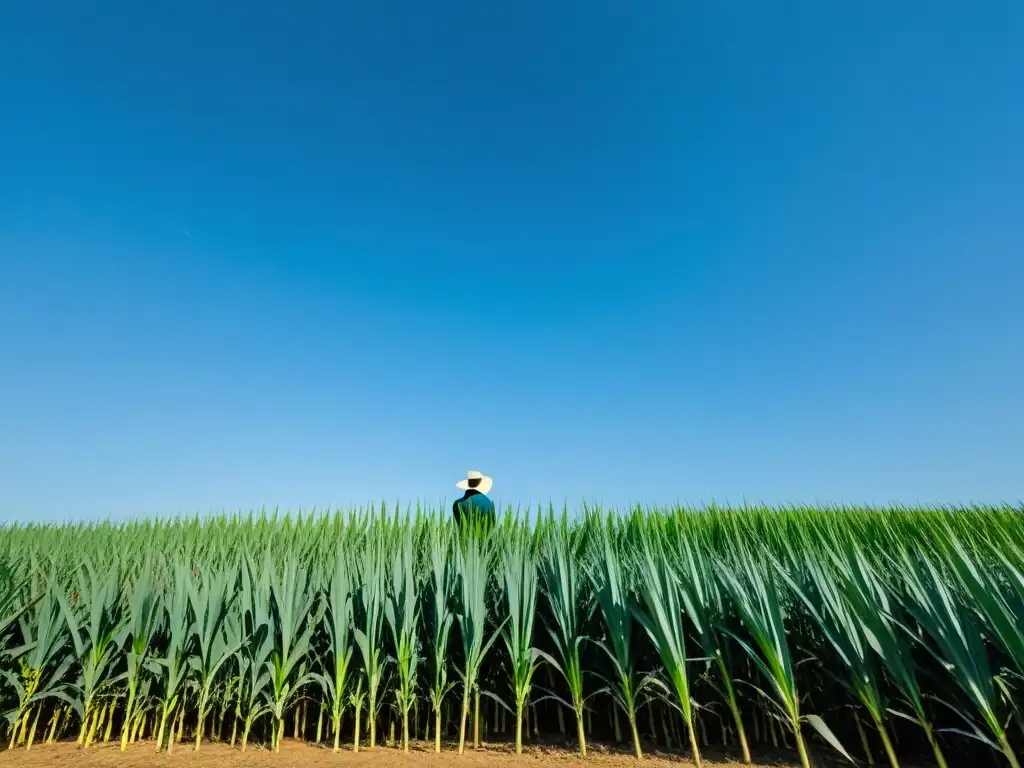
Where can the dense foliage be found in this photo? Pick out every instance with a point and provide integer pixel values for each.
(881, 634)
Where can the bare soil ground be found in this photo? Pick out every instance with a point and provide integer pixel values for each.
(297, 755)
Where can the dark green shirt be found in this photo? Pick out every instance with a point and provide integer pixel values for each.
(473, 504)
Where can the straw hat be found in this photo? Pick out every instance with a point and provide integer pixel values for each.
(475, 480)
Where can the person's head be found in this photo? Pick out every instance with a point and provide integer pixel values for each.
(475, 481)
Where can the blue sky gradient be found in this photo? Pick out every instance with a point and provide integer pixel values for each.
(326, 253)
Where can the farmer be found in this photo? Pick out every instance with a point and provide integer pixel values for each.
(474, 502)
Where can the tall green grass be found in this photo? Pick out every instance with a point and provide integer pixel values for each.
(855, 633)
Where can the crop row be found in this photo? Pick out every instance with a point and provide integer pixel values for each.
(869, 632)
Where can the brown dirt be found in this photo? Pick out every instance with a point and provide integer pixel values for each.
(294, 755)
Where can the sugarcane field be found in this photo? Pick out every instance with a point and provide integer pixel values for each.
(713, 636)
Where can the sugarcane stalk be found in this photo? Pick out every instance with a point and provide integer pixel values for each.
(170, 732)
(805, 759)
(637, 751)
(940, 758)
(1011, 757)
(138, 727)
(734, 709)
(464, 716)
(163, 725)
(476, 717)
(110, 724)
(883, 732)
(54, 722)
(84, 728)
(519, 728)
(246, 727)
(581, 737)
(32, 732)
(355, 738)
(93, 726)
(694, 749)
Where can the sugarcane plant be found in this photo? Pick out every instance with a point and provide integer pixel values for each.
(296, 613)
(44, 660)
(610, 586)
(702, 600)
(334, 681)
(662, 616)
(369, 636)
(818, 579)
(210, 603)
(402, 613)
(143, 614)
(172, 666)
(473, 556)
(520, 582)
(877, 615)
(996, 590)
(442, 579)
(251, 622)
(957, 645)
(95, 626)
(570, 606)
(756, 595)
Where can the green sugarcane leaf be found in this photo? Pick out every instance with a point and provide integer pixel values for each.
(826, 733)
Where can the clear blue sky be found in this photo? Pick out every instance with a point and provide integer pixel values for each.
(309, 253)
